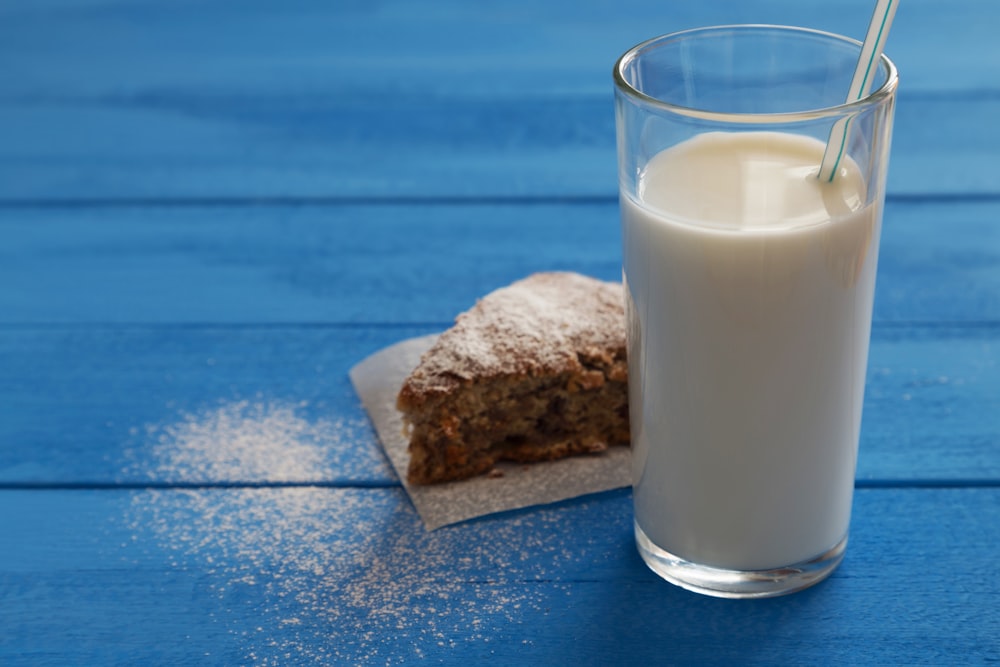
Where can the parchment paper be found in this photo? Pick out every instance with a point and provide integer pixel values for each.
(377, 380)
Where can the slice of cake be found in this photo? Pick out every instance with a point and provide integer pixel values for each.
(533, 372)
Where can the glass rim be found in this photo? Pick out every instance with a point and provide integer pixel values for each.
(873, 98)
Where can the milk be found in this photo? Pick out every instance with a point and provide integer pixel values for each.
(749, 299)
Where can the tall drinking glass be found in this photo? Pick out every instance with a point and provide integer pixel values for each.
(749, 288)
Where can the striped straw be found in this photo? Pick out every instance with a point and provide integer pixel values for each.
(871, 51)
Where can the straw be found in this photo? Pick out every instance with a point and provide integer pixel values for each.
(871, 51)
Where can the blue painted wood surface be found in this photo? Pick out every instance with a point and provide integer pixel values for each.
(210, 211)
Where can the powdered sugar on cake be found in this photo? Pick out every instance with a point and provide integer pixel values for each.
(541, 324)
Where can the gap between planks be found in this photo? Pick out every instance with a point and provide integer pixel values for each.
(404, 200)
(930, 484)
(877, 326)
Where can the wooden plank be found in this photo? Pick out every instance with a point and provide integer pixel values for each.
(350, 147)
(404, 263)
(274, 404)
(136, 406)
(313, 45)
(349, 576)
(389, 102)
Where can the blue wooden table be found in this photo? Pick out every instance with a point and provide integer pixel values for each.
(209, 211)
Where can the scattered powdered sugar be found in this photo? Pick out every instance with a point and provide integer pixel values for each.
(350, 576)
(327, 575)
(258, 441)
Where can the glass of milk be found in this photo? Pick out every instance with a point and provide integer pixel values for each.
(749, 286)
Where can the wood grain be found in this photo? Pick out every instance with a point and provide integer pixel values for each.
(406, 262)
(401, 146)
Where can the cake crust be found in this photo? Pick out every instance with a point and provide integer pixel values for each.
(534, 371)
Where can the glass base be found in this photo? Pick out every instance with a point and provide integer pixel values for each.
(738, 583)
